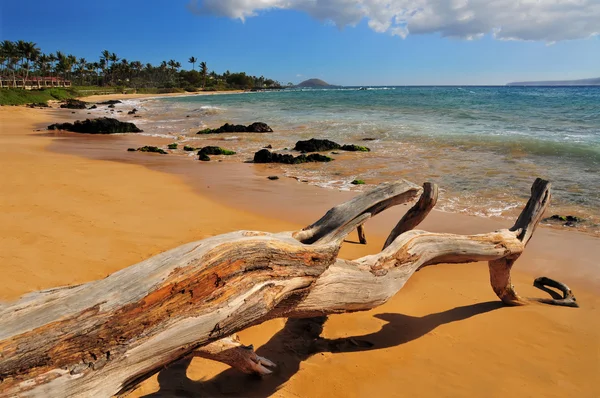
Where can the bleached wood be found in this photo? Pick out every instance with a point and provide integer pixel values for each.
(104, 337)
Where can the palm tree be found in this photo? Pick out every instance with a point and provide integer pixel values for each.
(29, 53)
(61, 64)
(11, 54)
(203, 72)
(42, 63)
(113, 59)
(80, 69)
(105, 58)
(70, 62)
(52, 59)
(193, 61)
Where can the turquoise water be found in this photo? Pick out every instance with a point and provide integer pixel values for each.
(482, 145)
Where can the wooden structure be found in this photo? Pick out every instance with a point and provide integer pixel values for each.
(33, 82)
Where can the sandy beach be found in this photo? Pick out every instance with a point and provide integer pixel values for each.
(77, 208)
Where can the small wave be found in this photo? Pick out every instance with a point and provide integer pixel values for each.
(156, 135)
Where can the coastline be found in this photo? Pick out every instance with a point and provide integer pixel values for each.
(73, 218)
(106, 97)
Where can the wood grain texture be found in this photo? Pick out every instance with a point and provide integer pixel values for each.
(104, 337)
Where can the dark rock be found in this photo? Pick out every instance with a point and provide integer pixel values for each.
(187, 116)
(204, 157)
(256, 127)
(317, 157)
(97, 126)
(215, 150)
(335, 153)
(93, 107)
(259, 127)
(38, 104)
(357, 182)
(152, 149)
(189, 148)
(111, 106)
(355, 148)
(132, 112)
(268, 146)
(137, 116)
(273, 178)
(110, 102)
(72, 112)
(567, 221)
(131, 149)
(172, 146)
(266, 156)
(369, 139)
(74, 104)
(316, 145)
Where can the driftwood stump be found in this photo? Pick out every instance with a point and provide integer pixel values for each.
(104, 337)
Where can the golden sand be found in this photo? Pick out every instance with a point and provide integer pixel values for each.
(67, 219)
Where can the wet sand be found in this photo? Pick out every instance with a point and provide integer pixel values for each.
(76, 208)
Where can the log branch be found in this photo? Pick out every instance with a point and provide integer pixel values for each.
(416, 214)
(567, 300)
(231, 351)
(104, 337)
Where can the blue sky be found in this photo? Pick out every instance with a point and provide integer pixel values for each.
(332, 40)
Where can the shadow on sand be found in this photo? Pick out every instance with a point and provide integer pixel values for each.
(298, 341)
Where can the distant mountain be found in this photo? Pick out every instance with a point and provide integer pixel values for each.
(315, 83)
(581, 82)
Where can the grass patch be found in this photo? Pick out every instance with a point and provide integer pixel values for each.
(11, 96)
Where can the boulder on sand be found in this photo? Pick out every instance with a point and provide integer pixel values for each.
(97, 126)
(257, 127)
(318, 145)
(266, 156)
(74, 104)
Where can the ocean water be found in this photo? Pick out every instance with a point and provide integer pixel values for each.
(484, 146)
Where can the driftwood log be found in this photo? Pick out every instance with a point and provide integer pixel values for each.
(104, 337)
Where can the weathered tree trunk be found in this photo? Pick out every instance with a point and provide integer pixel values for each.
(104, 337)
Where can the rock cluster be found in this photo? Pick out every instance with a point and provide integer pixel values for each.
(212, 150)
(74, 104)
(97, 126)
(257, 127)
(318, 145)
(266, 156)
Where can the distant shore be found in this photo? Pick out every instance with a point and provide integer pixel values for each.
(79, 207)
(106, 97)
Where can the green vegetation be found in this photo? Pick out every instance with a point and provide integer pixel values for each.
(358, 182)
(215, 150)
(24, 64)
(172, 146)
(15, 96)
(152, 149)
(205, 131)
(355, 148)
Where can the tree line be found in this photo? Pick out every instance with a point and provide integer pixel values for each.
(22, 60)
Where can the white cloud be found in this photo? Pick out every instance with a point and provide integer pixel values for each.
(538, 20)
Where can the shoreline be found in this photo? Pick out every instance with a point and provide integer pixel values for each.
(75, 218)
(107, 97)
